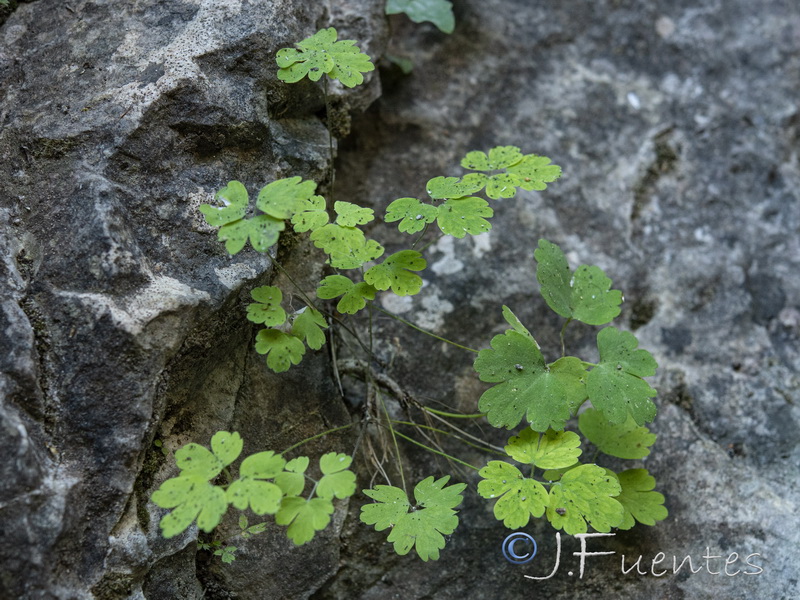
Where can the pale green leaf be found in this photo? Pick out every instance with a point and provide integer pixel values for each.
(308, 325)
(550, 450)
(519, 498)
(346, 246)
(354, 295)
(534, 172)
(351, 215)
(453, 187)
(515, 323)
(412, 214)
(291, 480)
(337, 480)
(282, 350)
(623, 440)
(285, 197)
(233, 198)
(267, 308)
(396, 272)
(320, 54)
(310, 215)
(304, 517)
(425, 526)
(192, 498)
(499, 157)
(584, 496)
(639, 500)
(262, 230)
(461, 216)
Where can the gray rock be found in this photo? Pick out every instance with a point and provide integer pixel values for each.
(677, 128)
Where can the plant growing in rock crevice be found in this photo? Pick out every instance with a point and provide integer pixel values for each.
(573, 494)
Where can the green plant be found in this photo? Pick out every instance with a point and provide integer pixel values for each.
(438, 12)
(558, 482)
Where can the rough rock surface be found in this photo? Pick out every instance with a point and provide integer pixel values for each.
(678, 129)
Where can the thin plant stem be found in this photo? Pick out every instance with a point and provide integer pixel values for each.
(435, 451)
(394, 438)
(458, 437)
(442, 413)
(319, 435)
(563, 331)
(433, 335)
(332, 168)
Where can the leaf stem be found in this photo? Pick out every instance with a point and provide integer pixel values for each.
(433, 335)
(442, 413)
(563, 331)
(332, 168)
(440, 453)
(394, 438)
(319, 435)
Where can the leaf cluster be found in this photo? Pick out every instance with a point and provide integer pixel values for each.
(267, 485)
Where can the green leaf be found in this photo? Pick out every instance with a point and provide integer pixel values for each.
(639, 501)
(291, 480)
(520, 498)
(233, 198)
(354, 295)
(547, 394)
(412, 214)
(267, 308)
(304, 517)
(337, 480)
(350, 215)
(585, 496)
(615, 385)
(346, 246)
(453, 187)
(191, 497)
(516, 324)
(438, 12)
(551, 450)
(263, 232)
(321, 53)
(461, 216)
(310, 215)
(282, 350)
(242, 522)
(308, 326)
(227, 554)
(196, 460)
(623, 440)
(396, 272)
(498, 158)
(285, 197)
(426, 525)
(534, 172)
(584, 295)
(251, 489)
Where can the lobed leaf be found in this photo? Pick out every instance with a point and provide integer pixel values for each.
(547, 394)
(426, 525)
(191, 497)
(461, 216)
(438, 12)
(322, 54)
(251, 489)
(308, 325)
(583, 295)
(639, 500)
(534, 172)
(346, 246)
(350, 215)
(453, 187)
(267, 308)
(336, 480)
(292, 480)
(396, 272)
(585, 496)
(412, 214)
(354, 295)
(519, 498)
(282, 350)
(304, 517)
(283, 198)
(615, 386)
(310, 215)
(623, 440)
(551, 450)
(263, 232)
(234, 205)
